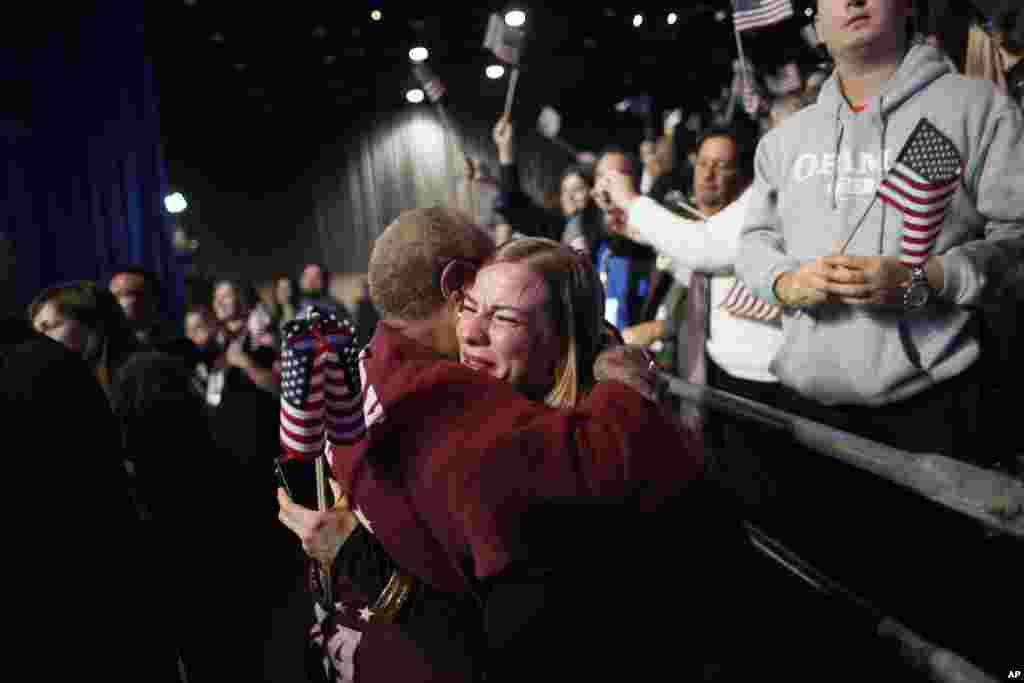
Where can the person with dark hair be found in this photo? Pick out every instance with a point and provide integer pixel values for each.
(1008, 31)
(286, 296)
(725, 337)
(625, 266)
(139, 293)
(87, 320)
(246, 361)
(882, 217)
(578, 224)
(79, 543)
(166, 437)
(313, 289)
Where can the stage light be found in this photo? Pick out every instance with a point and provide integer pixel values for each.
(175, 202)
(415, 96)
(418, 53)
(720, 15)
(376, 15)
(495, 71)
(515, 18)
(638, 20)
(672, 18)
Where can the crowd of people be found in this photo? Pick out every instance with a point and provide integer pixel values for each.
(521, 483)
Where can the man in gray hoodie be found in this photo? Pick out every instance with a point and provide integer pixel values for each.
(882, 216)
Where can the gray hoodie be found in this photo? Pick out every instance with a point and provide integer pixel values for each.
(815, 186)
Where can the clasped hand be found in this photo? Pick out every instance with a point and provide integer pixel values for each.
(853, 280)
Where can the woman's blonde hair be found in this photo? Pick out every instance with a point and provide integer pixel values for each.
(984, 59)
(575, 303)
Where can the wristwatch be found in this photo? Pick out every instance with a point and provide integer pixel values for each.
(918, 292)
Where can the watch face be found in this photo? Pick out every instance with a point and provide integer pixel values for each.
(916, 296)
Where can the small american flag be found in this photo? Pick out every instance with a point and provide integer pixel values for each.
(503, 40)
(751, 14)
(790, 80)
(741, 302)
(344, 410)
(921, 184)
(432, 85)
(751, 97)
(315, 383)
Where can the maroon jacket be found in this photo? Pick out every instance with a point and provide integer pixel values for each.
(451, 459)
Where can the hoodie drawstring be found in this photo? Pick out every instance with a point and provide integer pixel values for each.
(882, 170)
(838, 128)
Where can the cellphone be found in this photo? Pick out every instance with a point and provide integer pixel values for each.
(279, 471)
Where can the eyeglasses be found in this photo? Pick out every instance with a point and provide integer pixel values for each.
(716, 166)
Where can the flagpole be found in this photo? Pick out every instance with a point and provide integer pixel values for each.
(511, 90)
(743, 65)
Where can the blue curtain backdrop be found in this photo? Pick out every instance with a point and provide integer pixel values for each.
(84, 175)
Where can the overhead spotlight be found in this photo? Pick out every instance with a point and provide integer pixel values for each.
(515, 18)
(175, 202)
(418, 53)
(415, 95)
(809, 12)
(672, 18)
(495, 71)
(720, 15)
(376, 15)
(638, 20)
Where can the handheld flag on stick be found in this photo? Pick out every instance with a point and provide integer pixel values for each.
(432, 85)
(548, 124)
(503, 40)
(320, 399)
(751, 14)
(510, 95)
(921, 184)
(506, 43)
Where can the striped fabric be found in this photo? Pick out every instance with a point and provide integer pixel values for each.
(921, 184)
(751, 14)
(320, 396)
(741, 302)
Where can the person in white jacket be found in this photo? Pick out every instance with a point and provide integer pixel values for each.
(744, 331)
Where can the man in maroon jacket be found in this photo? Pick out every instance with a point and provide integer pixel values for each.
(454, 472)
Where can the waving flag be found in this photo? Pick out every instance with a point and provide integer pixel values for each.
(752, 102)
(316, 388)
(921, 184)
(503, 40)
(432, 85)
(790, 80)
(751, 14)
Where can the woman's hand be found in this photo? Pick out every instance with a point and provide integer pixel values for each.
(322, 533)
(504, 140)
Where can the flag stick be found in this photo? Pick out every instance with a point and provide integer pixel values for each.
(565, 145)
(511, 90)
(321, 503)
(743, 69)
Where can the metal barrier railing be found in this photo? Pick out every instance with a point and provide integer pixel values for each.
(992, 498)
(938, 663)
